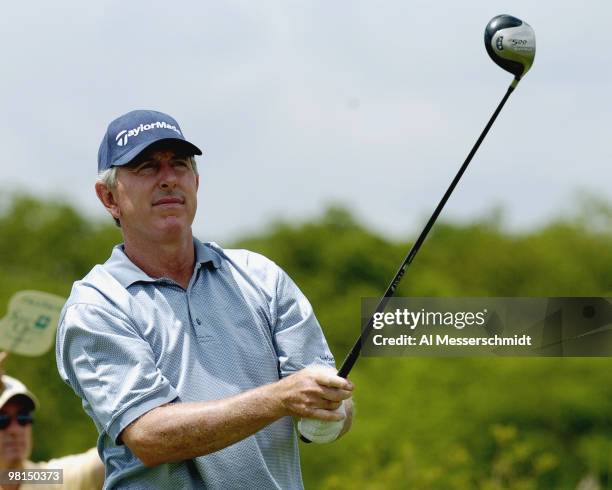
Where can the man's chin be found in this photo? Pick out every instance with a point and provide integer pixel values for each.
(15, 456)
(172, 226)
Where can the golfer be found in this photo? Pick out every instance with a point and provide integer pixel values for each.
(17, 405)
(191, 360)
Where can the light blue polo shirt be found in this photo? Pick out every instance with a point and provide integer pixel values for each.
(128, 343)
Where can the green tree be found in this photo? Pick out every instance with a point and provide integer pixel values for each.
(420, 423)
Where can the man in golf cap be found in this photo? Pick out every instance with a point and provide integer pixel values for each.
(17, 404)
(191, 359)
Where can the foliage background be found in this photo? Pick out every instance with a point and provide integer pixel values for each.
(420, 423)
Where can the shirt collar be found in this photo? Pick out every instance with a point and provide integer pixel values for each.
(128, 273)
(204, 253)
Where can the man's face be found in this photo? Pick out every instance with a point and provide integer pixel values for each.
(156, 196)
(16, 439)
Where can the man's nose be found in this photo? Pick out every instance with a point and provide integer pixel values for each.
(167, 175)
(14, 427)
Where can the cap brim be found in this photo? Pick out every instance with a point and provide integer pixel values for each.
(27, 400)
(24, 397)
(181, 144)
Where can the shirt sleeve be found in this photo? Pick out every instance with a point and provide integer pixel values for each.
(110, 366)
(298, 337)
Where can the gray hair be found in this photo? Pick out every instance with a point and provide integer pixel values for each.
(109, 178)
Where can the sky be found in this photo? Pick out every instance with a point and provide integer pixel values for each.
(299, 105)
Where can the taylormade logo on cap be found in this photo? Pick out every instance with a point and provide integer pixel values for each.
(129, 135)
(123, 136)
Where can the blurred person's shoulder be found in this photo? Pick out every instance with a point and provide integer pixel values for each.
(82, 471)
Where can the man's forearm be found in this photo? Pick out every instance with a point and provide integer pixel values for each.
(181, 431)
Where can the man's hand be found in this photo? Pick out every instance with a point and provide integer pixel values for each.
(322, 401)
(314, 392)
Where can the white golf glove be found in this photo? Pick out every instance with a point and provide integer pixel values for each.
(322, 431)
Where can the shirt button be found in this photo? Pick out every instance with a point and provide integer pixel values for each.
(198, 321)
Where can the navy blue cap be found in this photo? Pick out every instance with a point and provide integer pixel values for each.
(128, 135)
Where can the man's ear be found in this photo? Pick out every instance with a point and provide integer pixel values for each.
(197, 182)
(108, 199)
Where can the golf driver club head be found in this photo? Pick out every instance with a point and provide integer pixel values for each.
(510, 42)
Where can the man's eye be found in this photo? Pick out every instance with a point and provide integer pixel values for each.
(146, 167)
(180, 163)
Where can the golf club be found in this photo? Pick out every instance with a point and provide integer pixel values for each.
(510, 43)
